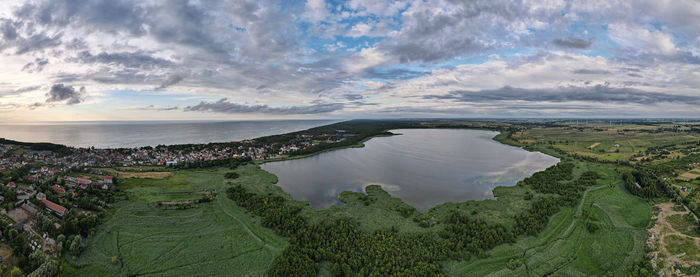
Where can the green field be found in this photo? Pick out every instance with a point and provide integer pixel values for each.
(566, 247)
(215, 239)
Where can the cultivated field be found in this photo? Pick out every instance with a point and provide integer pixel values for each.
(214, 239)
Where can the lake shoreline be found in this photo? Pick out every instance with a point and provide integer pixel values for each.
(498, 137)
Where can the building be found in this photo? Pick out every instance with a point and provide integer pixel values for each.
(51, 206)
(58, 189)
(83, 181)
(108, 179)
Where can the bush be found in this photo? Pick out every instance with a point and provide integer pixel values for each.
(513, 264)
(231, 175)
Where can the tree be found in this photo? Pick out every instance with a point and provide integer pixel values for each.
(48, 269)
(75, 246)
(16, 272)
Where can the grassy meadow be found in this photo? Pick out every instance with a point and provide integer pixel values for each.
(566, 247)
(213, 239)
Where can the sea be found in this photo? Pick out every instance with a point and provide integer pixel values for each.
(129, 134)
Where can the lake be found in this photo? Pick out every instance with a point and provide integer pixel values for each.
(116, 134)
(423, 167)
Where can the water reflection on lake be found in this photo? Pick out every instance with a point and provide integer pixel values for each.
(423, 167)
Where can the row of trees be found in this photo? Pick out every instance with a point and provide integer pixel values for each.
(230, 162)
(646, 185)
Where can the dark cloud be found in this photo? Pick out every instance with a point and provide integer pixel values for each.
(173, 79)
(433, 32)
(591, 71)
(8, 30)
(35, 105)
(598, 93)
(36, 66)
(570, 42)
(224, 106)
(132, 60)
(37, 42)
(60, 92)
(353, 97)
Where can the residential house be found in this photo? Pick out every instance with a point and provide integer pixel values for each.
(58, 209)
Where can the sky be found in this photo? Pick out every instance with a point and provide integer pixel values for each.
(79, 60)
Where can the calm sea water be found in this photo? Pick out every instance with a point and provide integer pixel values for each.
(114, 134)
(423, 167)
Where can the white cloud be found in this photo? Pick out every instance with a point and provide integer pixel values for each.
(642, 39)
(360, 29)
(365, 59)
(315, 11)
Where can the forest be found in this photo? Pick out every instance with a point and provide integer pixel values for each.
(353, 252)
(41, 146)
(644, 184)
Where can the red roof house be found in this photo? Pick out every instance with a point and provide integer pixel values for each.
(58, 189)
(83, 181)
(12, 184)
(60, 210)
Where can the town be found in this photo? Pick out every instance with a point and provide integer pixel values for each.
(53, 196)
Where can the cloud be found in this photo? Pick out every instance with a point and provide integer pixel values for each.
(367, 55)
(598, 94)
(225, 106)
(315, 10)
(36, 66)
(570, 42)
(171, 80)
(153, 108)
(18, 91)
(37, 42)
(592, 71)
(131, 60)
(8, 30)
(60, 92)
(642, 39)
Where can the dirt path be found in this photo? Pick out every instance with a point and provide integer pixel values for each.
(663, 229)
